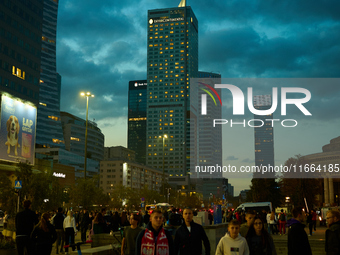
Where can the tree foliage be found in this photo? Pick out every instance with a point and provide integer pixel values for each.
(263, 189)
(8, 198)
(86, 193)
(299, 188)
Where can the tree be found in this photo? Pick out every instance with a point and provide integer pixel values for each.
(263, 189)
(8, 199)
(85, 192)
(299, 189)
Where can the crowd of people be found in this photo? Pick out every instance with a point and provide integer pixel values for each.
(172, 232)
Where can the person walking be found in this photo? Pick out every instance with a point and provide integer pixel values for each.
(84, 222)
(130, 235)
(43, 236)
(232, 243)
(250, 216)
(58, 222)
(24, 224)
(282, 222)
(70, 229)
(297, 237)
(332, 244)
(155, 239)
(189, 237)
(259, 240)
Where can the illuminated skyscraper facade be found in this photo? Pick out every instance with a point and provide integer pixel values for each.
(49, 129)
(264, 141)
(172, 59)
(137, 119)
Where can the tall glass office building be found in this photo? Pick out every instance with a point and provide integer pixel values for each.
(264, 141)
(172, 59)
(137, 119)
(49, 129)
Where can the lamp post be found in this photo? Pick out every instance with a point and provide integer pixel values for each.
(87, 95)
(164, 137)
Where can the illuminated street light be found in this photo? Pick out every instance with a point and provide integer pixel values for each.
(87, 95)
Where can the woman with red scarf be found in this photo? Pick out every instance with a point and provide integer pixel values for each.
(155, 240)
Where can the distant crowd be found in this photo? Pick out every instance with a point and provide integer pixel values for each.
(171, 232)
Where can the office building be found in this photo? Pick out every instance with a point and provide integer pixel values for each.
(20, 48)
(64, 157)
(49, 129)
(119, 152)
(115, 172)
(74, 135)
(172, 59)
(264, 138)
(209, 137)
(137, 119)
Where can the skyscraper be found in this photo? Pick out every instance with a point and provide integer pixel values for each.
(172, 59)
(209, 137)
(20, 48)
(137, 119)
(264, 142)
(49, 130)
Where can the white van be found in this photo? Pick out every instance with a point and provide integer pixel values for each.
(258, 206)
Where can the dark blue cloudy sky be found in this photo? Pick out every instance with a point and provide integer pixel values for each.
(101, 45)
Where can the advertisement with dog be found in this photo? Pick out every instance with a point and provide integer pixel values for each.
(17, 133)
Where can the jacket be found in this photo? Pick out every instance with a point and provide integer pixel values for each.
(190, 243)
(332, 244)
(25, 222)
(297, 238)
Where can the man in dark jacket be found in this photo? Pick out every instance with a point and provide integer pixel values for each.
(24, 223)
(297, 237)
(84, 223)
(57, 222)
(333, 233)
(189, 237)
(155, 239)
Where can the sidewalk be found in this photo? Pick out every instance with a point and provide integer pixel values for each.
(76, 240)
(319, 234)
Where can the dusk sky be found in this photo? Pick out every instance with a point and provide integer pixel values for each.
(101, 46)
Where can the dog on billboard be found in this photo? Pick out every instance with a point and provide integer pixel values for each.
(13, 129)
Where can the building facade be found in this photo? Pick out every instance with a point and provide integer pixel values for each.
(209, 137)
(137, 119)
(64, 157)
(118, 172)
(20, 48)
(74, 135)
(49, 129)
(264, 136)
(119, 152)
(172, 59)
(330, 158)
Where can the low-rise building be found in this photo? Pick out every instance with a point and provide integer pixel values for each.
(115, 172)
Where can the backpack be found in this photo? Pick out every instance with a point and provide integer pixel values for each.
(282, 217)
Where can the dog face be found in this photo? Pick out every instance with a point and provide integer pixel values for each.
(13, 126)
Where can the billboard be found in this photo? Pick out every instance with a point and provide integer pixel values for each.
(17, 130)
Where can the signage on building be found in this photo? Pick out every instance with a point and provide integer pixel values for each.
(60, 175)
(151, 21)
(17, 130)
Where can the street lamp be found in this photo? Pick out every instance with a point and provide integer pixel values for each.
(87, 95)
(164, 137)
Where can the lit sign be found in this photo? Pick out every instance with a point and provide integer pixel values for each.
(59, 175)
(151, 21)
(140, 84)
(17, 133)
